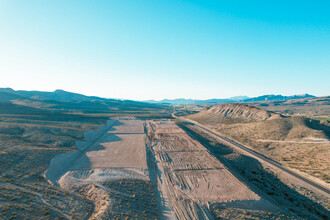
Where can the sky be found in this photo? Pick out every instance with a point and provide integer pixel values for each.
(152, 49)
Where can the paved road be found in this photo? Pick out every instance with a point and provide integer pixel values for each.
(260, 156)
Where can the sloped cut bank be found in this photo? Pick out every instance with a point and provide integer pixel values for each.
(111, 169)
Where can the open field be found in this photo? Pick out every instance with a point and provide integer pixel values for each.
(110, 168)
(280, 187)
(198, 185)
(106, 148)
(32, 132)
(24, 191)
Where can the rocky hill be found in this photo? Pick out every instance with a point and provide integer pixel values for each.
(62, 101)
(234, 112)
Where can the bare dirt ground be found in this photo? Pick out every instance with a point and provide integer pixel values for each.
(304, 203)
(27, 144)
(110, 169)
(198, 185)
(297, 142)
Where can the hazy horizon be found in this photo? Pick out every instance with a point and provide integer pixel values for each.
(187, 98)
(143, 50)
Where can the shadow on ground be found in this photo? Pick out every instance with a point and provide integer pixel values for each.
(254, 174)
(75, 160)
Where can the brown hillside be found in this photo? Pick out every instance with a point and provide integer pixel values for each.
(234, 112)
(297, 142)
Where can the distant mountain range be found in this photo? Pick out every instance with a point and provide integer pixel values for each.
(197, 101)
(63, 101)
(277, 98)
(230, 100)
(59, 95)
(60, 98)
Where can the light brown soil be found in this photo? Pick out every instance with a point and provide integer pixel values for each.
(298, 199)
(27, 144)
(299, 143)
(195, 179)
(110, 169)
(233, 113)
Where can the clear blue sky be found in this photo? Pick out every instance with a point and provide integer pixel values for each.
(149, 49)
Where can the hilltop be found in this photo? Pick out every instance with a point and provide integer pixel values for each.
(183, 101)
(59, 95)
(62, 101)
(277, 98)
(233, 113)
(235, 99)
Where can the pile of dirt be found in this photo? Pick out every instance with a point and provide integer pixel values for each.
(233, 113)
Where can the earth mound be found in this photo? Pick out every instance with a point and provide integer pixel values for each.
(233, 112)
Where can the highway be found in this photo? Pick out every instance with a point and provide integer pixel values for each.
(259, 156)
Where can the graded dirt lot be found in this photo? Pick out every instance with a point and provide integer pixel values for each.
(197, 183)
(106, 148)
(110, 169)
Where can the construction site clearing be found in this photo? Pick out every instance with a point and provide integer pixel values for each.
(153, 169)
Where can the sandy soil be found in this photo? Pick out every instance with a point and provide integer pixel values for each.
(194, 178)
(104, 149)
(301, 202)
(296, 142)
(114, 154)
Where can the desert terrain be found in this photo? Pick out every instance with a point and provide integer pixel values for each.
(317, 107)
(164, 110)
(28, 143)
(110, 169)
(34, 131)
(300, 143)
(197, 184)
(60, 163)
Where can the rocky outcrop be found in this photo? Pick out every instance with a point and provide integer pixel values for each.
(234, 111)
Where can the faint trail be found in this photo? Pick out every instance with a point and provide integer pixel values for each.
(297, 142)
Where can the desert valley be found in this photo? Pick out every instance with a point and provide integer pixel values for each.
(70, 156)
